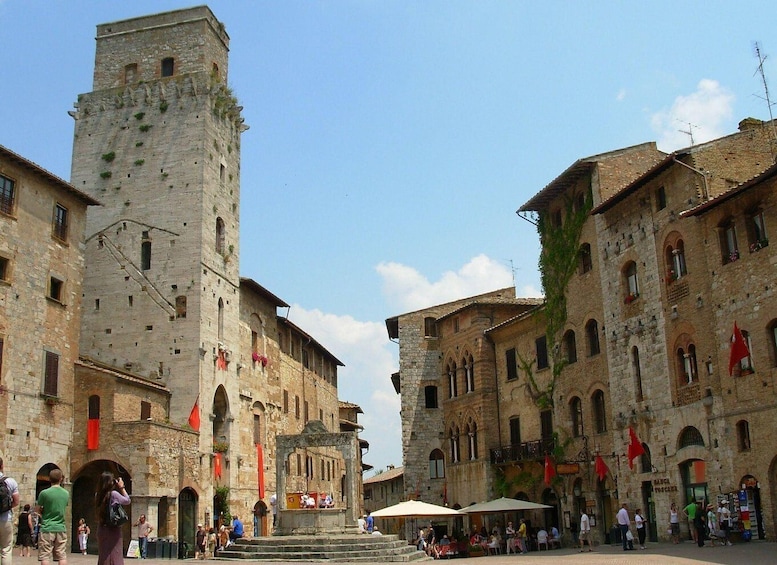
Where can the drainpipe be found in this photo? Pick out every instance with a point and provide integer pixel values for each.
(706, 191)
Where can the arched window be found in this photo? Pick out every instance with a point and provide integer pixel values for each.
(690, 436)
(472, 434)
(743, 435)
(576, 411)
(452, 384)
(592, 333)
(585, 263)
(221, 320)
(675, 261)
(631, 284)
(637, 372)
(600, 414)
(469, 372)
(454, 442)
(436, 465)
(220, 236)
(570, 347)
(729, 249)
(646, 463)
(686, 364)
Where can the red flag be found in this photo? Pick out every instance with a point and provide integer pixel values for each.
(635, 447)
(739, 350)
(217, 466)
(194, 415)
(93, 433)
(260, 469)
(221, 362)
(601, 468)
(550, 471)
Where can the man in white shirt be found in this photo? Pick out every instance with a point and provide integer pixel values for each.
(6, 519)
(585, 531)
(724, 520)
(623, 523)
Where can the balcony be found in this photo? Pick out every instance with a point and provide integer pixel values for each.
(526, 451)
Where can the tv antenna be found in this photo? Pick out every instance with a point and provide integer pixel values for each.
(760, 70)
(689, 131)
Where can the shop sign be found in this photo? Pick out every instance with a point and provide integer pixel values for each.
(568, 468)
(663, 485)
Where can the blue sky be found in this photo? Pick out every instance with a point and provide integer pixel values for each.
(391, 142)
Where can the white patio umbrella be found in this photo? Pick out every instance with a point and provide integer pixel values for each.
(414, 508)
(502, 505)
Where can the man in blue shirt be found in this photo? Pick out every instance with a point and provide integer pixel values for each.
(237, 529)
(370, 523)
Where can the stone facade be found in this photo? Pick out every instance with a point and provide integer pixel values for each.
(384, 489)
(674, 251)
(42, 221)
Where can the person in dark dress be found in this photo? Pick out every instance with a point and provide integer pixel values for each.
(24, 532)
(109, 538)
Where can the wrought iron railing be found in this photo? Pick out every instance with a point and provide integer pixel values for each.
(525, 451)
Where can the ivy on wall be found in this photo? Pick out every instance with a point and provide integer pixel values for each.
(558, 262)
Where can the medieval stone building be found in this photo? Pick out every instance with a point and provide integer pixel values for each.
(177, 373)
(671, 251)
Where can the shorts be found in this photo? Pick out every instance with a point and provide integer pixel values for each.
(583, 536)
(52, 546)
(675, 528)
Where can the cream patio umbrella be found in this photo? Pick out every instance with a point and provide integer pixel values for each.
(502, 505)
(412, 508)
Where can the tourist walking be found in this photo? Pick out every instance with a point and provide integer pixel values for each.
(200, 542)
(83, 535)
(522, 536)
(52, 543)
(585, 531)
(623, 523)
(724, 520)
(712, 524)
(690, 513)
(6, 517)
(639, 521)
(24, 532)
(109, 540)
(674, 523)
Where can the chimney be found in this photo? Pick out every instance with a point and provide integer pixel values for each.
(749, 123)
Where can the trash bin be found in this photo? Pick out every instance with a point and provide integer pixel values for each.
(173, 550)
(163, 549)
(615, 536)
(151, 549)
(183, 549)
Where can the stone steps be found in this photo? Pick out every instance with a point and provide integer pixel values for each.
(340, 548)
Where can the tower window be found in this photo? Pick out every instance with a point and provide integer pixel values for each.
(168, 67)
(59, 226)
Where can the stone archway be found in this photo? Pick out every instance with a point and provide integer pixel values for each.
(82, 500)
(327, 520)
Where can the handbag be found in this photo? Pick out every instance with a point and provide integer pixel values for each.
(116, 515)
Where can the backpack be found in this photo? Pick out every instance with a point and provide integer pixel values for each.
(6, 498)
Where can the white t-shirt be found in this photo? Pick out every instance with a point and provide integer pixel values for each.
(585, 523)
(639, 521)
(13, 488)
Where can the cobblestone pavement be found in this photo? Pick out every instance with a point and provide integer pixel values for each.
(753, 553)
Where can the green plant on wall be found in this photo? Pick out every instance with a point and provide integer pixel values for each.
(109, 156)
(221, 504)
(145, 127)
(163, 106)
(106, 175)
(558, 262)
(139, 162)
(139, 115)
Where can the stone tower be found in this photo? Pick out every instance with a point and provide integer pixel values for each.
(157, 142)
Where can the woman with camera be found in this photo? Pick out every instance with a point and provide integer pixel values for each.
(110, 491)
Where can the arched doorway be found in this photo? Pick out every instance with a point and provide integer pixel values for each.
(750, 498)
(221, 418)
(260, 519)
(550, 516)
(187, 522)
(82, 501)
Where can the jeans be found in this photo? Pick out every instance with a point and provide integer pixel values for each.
(143, 543)
(624, 529)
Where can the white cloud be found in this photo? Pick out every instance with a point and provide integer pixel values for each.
(621, 95)
(407, 290)
(705, 112)
(370, 359)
